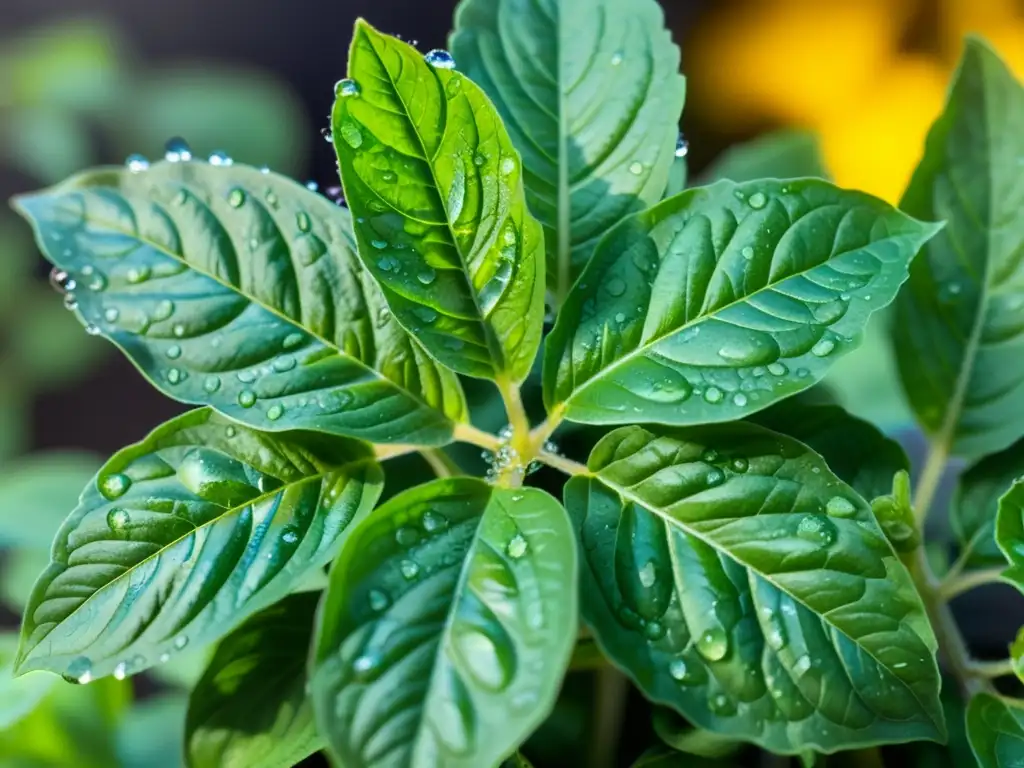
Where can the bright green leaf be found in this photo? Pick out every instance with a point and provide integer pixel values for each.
(959, 323)
(722, 300)
(736, 579)
(786, 154)
(436, 189)
(240, 290)
(855, 450)
(19, 695)
(447, 627)
(184, 535)
(591, 93)
(250, 709)
(1009, 532)
(976, 502)
(1017, 654)
(995, 728)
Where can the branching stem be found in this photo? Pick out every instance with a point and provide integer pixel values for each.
(991, 669)
(957, 584)
(439, 461)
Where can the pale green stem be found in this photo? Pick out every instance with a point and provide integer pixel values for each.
(991, 669)
(958, 584)
(561, 463)
(467, 433)
(439, 461)
(931, 475)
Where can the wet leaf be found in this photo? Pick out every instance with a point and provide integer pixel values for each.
(1009, 532)
(995, 728)
(976, 501)
(450, 616)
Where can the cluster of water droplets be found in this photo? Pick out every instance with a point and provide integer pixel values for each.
(81, 668)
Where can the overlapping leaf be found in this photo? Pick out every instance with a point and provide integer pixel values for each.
(995, 728)
(1009, 532)
(441, 219)
(184, 535)
(447, 627)
(723, 300)
(591, 93)
(237, 289)
(778, 155)
(250, 708)
(960, 323)
(735, 578)
(976, 503)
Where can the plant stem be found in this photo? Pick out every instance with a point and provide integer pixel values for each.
(439, 461)
(992, 669)
(393, 451)
(546, 428)
(563, 464)
(467, 433)
(957, 584)
(931, 475)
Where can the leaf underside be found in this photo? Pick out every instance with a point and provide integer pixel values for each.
(184, 535)
(241, 290)
(447, 627)
(734, 578)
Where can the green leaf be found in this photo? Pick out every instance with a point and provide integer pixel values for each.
(591, 93)
(785, 154)
(240, 290)
(250, 708)
(19, 695)
(436, 188)
(855, 450)
(995, 728)
(150, 735)
(976, 501)
(447, 627)
(722, 300)
(1010, 532)
(48, 484)
(1017, 654)
(736, 579)
(959, 323)
(682, 737)
(184, 535)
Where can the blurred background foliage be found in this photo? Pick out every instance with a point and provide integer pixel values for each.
(839, 88)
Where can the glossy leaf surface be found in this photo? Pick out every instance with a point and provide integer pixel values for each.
(854, 449)
(184, 535)
(785, 154)
(591, 93)
(959, 324)
(722, 300)
(736, 579)
(995, 728)
(1010, 532)
(250, 709)
(436, 189)
(976, 502)
(241, 290)
(447, 627)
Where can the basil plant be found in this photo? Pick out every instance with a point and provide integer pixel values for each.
(516, 224)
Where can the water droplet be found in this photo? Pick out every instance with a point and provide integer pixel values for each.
(236, 198)
(364, 667)
(830, 311)
(777, 369)
(80, 670)
(163, 310)
(439, 59)
(648, 575)
(837, 506)
(434, 522)
(302, 221)
(713, 644)
(174, 352)
(620, 317)
(92, 329)
(616, 286)
(177, 150)
(410, 570)
(271, 198)
(111, 314)
(329, 138)
(137, 275)
(677, 669)
(710, 455)
(97, 282)
(180, 642)
(636, 168)
(283, 364)
(350, 132)
(775, 635)
(117, 519)
(378, 600)
(275, 412)
(289, 537)
(247, 398)
(346, 87)
(115, 486)
(121, 670)
(136, 163)
(721, 704)
(70, 302)
(508, 165)
(757, 200)
(165, 657)
(426, 276)
(714, 477)
(739, 399)
(713, 395)
(654, 630)
(221, 158)
(616, 58)
(425, 314)
(61, 281)
(178, 330)
(246, 377)
(747, 252)
(293, 340)
(211, 384)
(517, 547)
(823, 348)
(817, 529)
(740, 464)
(174, 376)
(682, 146)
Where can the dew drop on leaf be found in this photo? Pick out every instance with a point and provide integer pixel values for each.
(777, 369)
(739, 399)
(120, 670)
(80, 670)
(439, 59)
(713, 395)
(714, 477)
(823, 348)
(617, 58)
(347, 87)
(136, 163)
(406, 537)
(837, 506)
(180, 642)
(115, 486)
(654, 630)
(740, 464)
(117, 519)
(378, 600)
(275, 412)
(713, 644)
(434, 521)
(517, 547)
(163, 310)
(177, 150)
(682, 146)
(211, 384)
(247, 398)
(173, 352)
(426, 275)
(221, 158)
(364, 666)
(636, 168)
(757, 200)
(410, 570)
(61, 281)
(350, 132)
(677, 669)
(817, 529)
(111, 314)
(747, 252)
(648, 575)
(289, 537)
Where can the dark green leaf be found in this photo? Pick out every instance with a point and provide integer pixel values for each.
(722, 300)
(735, 578)
(959, 323)
(854, 450)
(973, 511)
(250, 709)
(995, 728)
(447, 627)
(591, 93)
(436, 188)
(1010, 532)
(184, 535)
(784, 154)
(240, 290)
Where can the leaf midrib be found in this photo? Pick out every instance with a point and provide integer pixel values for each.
(669, 521)
(228, 511)
(643, 349)
(99, 221)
